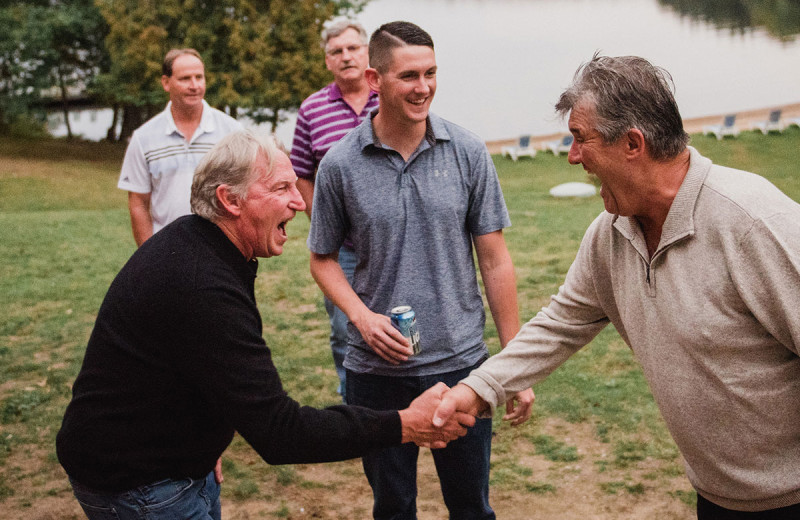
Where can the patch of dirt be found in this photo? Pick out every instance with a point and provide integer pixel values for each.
(587, 489)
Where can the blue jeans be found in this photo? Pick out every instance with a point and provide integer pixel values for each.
(463, 466)
(707, 510)
(180, 499)
(347, 260)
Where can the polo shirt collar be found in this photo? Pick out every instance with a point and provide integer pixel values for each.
(334, 92)
(680, 219)
(207, 123)
(435, 130)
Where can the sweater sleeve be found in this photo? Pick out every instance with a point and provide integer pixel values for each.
(573, 318)
(232, 367)
(767, 275)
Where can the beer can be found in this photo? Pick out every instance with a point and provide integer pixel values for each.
(405, 320)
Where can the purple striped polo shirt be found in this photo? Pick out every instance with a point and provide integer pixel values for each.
(324, 118)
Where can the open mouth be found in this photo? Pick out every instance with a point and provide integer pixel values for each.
(282, 228)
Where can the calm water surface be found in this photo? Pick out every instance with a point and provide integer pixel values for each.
(503, 63)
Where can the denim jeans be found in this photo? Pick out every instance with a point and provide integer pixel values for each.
(463, 466)
(338, 319)
(180, 499)
(707, 510)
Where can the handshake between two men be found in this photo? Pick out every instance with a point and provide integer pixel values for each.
(442, 414)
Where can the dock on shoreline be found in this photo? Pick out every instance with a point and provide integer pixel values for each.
(744, 121)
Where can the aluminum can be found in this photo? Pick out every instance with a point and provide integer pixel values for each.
(404, 319)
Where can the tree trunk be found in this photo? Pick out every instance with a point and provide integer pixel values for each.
(111, 135)
(132, 118)
(64, 104)
(273, 120)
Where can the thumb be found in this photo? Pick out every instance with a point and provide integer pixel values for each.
(444, 411)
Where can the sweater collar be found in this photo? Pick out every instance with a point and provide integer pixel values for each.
(227, 250)
(680, 218)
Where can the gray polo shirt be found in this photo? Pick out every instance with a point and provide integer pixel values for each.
(412, 225)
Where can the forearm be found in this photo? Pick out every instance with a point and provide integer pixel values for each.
(328, 274)
(501, 294)
(306, 188)
(141, 219)
(499, 280)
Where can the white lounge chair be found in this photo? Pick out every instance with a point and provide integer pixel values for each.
(773, 123)
(728, 127)
(560, 146)
(793, 121)
(522, 149)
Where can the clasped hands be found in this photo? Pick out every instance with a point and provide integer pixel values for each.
(440, 414)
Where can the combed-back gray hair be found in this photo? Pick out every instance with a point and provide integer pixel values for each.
(339, 25)
(391, 35)
(229, 162)
(629, 92)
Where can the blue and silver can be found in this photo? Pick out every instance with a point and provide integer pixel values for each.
(405, 320)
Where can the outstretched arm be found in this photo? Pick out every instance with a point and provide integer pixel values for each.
(417, 420)
(497, 272)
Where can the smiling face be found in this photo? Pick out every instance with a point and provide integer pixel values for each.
(408, 85)
(346, 57)
(187, 85)
(271, 202)
(605, 160)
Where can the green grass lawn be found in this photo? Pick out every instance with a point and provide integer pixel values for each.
(64, 234)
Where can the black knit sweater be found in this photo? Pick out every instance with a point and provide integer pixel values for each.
(176, 363)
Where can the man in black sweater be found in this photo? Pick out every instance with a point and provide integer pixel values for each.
(176, 361)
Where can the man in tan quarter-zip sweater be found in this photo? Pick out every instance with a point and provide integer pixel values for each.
(698, 268)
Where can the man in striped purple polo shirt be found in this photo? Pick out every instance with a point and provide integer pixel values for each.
(324, 118)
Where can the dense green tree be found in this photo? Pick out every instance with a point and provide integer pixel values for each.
(47, 46)
(262, 56)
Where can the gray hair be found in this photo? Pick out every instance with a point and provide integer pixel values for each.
(340, 25)
(629, 92)
(229, 162)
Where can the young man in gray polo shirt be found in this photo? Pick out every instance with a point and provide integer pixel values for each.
(415, 192)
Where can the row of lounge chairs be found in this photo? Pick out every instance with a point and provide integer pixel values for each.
(772, 124)
(524, 148)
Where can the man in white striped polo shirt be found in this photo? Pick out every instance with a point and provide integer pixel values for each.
(162, 154)
(324, 118)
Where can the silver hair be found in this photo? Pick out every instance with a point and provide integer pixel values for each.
(230, 162)
(339, 25)
(629, 92)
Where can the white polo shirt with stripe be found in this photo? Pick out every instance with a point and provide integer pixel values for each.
(160, 161)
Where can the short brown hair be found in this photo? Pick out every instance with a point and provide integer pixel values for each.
(391, 35)
(172, 55)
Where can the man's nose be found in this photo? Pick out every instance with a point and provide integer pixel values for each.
(297, 203)
(574, 155)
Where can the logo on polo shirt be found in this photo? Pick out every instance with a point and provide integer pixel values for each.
(437, 173)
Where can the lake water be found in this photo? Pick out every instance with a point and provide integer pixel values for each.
(503, 63)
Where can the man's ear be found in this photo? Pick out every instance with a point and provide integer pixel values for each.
(634, 143)
(165, 83)
(373, 79)
(229, 200)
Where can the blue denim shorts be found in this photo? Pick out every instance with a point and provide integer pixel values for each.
(170, 499)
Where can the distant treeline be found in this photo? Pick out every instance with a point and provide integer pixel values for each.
(780, 18)
(262, 56)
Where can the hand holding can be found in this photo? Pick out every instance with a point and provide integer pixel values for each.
(404, 319)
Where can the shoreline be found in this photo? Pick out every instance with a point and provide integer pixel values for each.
(744, 121)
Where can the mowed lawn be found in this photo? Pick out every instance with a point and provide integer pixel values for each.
(65, 233)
